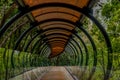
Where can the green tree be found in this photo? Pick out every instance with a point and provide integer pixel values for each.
(111, 13)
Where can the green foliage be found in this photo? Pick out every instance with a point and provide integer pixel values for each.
(111, 11)
(8, 2)
(116, 44)
(107, 8)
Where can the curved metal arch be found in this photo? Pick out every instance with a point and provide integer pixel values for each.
(24, 60)
(109, 66)
(91, 40)
(36, 35)
(44, 52)
(71, 56)
(43, 49)
(94, 48)
(52, 5)
(58, 37)
(43, 45)
(24, 43)
(27, 58)
(80, 52)
(28, 31)
(54, 40)
(9, 23)
(86, 50)
(46, 42)
(25, 32)
(82, 41)
(78, 48)
(37, 42)
(55, 35)
(66, 6)
(45, 37)
(92, 43)
(74, 48)
(71, 49)
(31, 60)
(40, 40)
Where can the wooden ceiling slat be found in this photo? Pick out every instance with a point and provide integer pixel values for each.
(56, 15)
(57, 31)
(79, 3)
(57, 47)
(56, 26)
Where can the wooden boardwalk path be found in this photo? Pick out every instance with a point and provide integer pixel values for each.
(57, 73)
(46, 73)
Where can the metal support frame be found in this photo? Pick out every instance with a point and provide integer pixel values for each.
(83, 11)
(18, 41)
(79, 46)
(41, 40)
(72, 47)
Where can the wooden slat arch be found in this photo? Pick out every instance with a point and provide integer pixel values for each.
(57, 47)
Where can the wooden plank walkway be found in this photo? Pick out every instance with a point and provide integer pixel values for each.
(57, 73)
(45, 73)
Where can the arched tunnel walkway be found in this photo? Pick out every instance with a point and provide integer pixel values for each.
(46, 33)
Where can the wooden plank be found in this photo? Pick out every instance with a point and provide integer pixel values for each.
(57, 73)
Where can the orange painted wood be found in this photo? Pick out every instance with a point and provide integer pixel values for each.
(57, 47)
